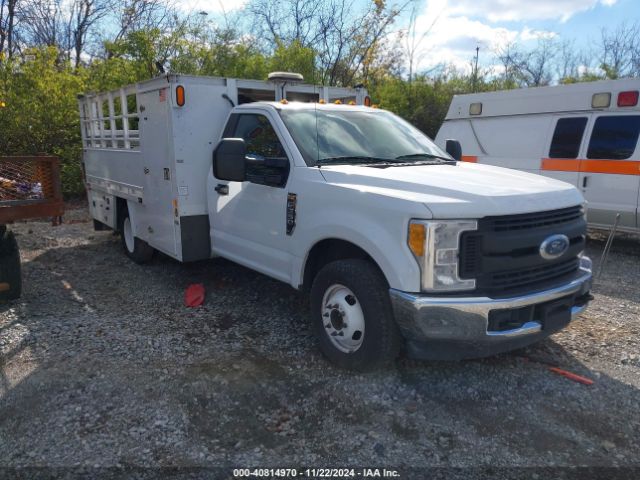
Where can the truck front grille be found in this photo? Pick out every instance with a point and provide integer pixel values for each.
(531, 276)
(529, 221)
(503, 254)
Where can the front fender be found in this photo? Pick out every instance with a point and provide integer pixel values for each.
(383, 241)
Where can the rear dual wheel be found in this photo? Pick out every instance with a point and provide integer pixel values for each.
(136, 249)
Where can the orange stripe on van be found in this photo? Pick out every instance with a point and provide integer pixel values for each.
(611, 166)
(619, 167)
(560, 164)
(470, 158)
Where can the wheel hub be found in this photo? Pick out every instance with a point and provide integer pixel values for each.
(337, 319)
(343, 318)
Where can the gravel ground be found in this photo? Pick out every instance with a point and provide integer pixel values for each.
(102, 366)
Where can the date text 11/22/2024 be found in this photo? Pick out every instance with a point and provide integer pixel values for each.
(316, 473)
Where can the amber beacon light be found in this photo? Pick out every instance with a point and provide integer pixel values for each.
(180, 95)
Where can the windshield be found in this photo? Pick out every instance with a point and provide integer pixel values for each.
(352, 136)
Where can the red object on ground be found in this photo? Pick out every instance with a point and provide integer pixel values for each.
(194, 295)
(571, 376)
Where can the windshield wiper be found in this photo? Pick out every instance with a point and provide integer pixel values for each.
(352, 159)
(424, 155)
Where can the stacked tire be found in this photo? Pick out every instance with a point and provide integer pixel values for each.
(10, 271)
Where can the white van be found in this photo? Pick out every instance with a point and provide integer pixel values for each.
(395, 241)
(585, 134)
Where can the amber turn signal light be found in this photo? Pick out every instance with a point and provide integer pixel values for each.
(417, 236)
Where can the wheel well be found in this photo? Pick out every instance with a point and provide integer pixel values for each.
(330, 250)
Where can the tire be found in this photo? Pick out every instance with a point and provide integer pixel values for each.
(378, 344)
(136, 249)
(10, 269)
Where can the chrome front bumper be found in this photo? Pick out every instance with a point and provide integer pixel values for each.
(458, 327)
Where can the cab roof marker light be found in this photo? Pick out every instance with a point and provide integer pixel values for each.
(628, 99)
(601, 100)
(475, 108)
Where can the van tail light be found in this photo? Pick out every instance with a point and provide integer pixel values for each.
(628, 99)
(367, 101)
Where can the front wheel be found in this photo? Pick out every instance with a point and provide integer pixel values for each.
(352, 315)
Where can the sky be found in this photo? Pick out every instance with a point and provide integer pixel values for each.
(461, 25)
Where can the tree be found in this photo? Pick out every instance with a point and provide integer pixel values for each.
(512, 59)
(619, 51)
(7, 24)
(346, 38)
(41, 113)
(414, 39)
(536, 68)
(84, 14)
(568, 60)
(141, 15)
(62, 24)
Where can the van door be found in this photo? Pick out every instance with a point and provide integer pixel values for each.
(610, 170)
(248, 219)
(566, 138)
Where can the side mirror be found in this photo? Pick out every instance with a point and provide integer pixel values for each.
(454, 149)
(229, 161)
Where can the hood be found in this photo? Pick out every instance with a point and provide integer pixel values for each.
(463, 190)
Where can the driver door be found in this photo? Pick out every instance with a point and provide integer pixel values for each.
(248, 219)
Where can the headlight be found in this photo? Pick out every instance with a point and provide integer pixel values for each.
(435, 244)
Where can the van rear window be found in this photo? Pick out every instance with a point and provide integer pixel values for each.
(567, 137)
(614, 137)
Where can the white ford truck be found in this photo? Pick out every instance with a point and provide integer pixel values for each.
(397, 241)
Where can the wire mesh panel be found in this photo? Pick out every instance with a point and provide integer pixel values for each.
(29, 187)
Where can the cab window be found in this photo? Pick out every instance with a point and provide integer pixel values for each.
(261, 140)
(614, 137)
(567, 137)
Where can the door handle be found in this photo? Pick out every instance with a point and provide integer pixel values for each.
(222, 189)
(584, 182)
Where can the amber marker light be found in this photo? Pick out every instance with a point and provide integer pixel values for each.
(180, 97)
(417, 236)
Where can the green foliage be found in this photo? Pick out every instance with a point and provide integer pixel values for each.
(39, 88)
(41, 114)
(424, 101)
(294, 58)
(585, 77)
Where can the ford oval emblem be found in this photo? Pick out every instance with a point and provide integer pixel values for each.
(554, 246)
